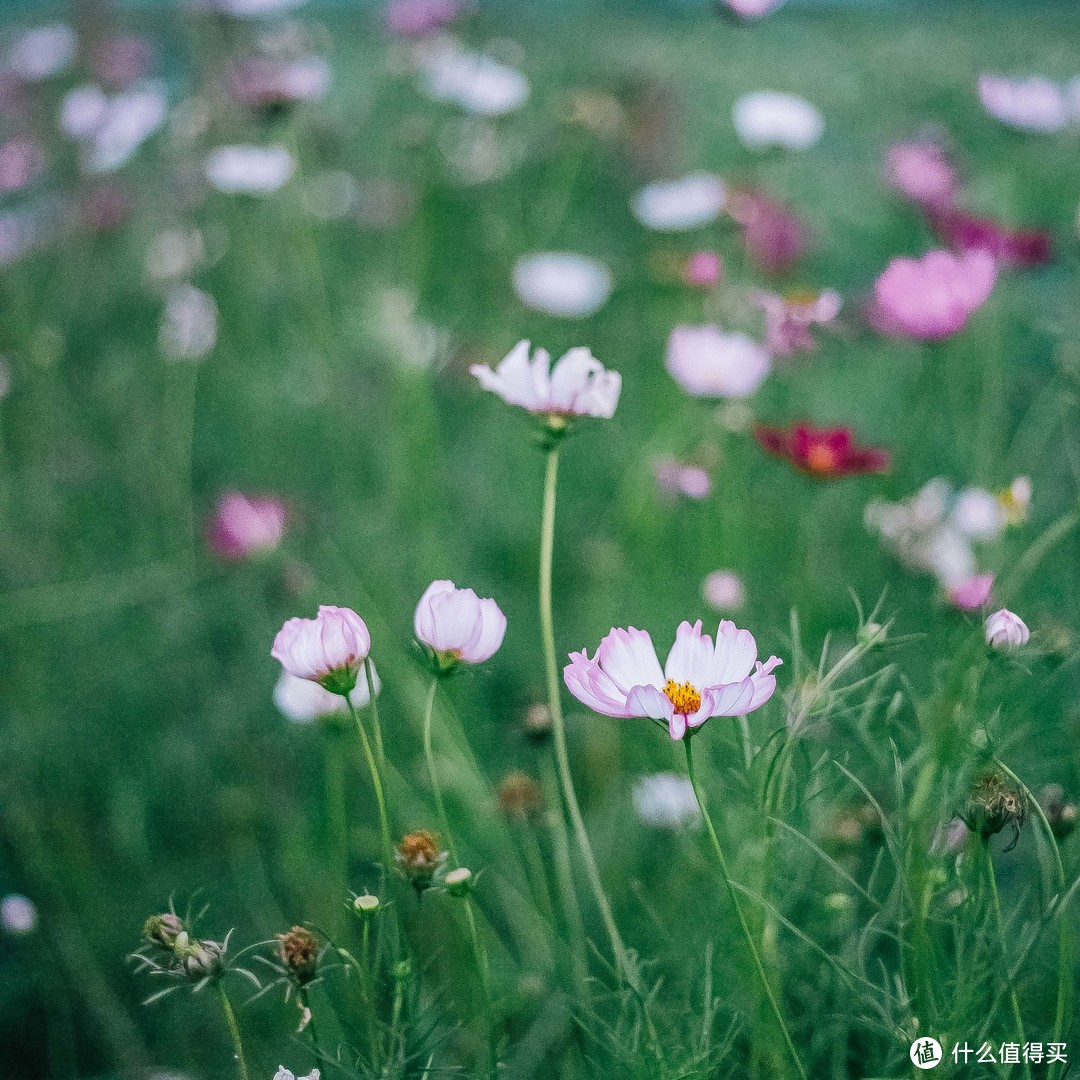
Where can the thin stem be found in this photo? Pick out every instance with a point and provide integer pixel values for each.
(725, 874)
(433, 775)
(305, 1001)
(234, 1031)
(376, 783)
(558, 726)
(999, 924)
(369, 676)
(484, 970)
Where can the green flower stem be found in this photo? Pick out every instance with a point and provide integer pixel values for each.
(234, 1031)
(484, 970)
(305, 1001)
(433, 775)
(744, 926)
(380, 753)
(991, 878)
(558, 725)
(376, 783)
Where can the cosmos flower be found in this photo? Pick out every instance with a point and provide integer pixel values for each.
(962, 231)
(666, 801)
(1030, 104)
(578, 385)
(766, 118)
(825, 453)
(921, 171)
(932, 297)
(110, 128)
(302, 701)
(189, 326)
(329, 649)
(752, 9)
(419, 18)
(709, 362)
(562, 283)
(723, 590)
(704, 269)
(251, 170)
(21, 160)
(694, 200)
(286, 1074)
(788, 319)
(676, 478)
(773, 237)
(270, 84)
(699, 681)
(1004, 630)
(457, 626)
(43, 52)
(477, 83)
(245, 525)
(971, 594)
(18, 914)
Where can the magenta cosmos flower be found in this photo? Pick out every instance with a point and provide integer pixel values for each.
(245, 525)
(700, 679)
(578, 385)
(456, 625)
(932, 297)
(329, 649)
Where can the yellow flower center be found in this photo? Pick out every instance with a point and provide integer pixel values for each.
(683, 696)
(820, 459)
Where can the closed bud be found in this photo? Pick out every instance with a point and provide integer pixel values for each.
(198, 959)
(1061, 814)
(163, 930)
(872, 634)
(459, 882)
(298, 950)
(365, 905)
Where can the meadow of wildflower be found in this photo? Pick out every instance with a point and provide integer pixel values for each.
(539, 543)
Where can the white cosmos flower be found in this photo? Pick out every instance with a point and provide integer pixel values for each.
(680, 204)
(112, 127)
(456, 624)
(666, 800)
(254, 8)
(1030, 104)
(699, 681)
(252, 170)
(578, 385)
(286, 1074)
(768, 118)
(301, 700)
(707, 362)
(18, 914)
(563, 284)
(474, 81)
(189, 326)
(43, 52)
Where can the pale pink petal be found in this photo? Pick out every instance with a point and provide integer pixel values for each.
(586, 680)
(492, 628)
(650, 702)
(690, 659)
(424, 620)
(734, 655)
(629, 659)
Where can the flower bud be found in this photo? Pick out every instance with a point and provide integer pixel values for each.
(198, 959)
(1004, 630)
(419, 859)
(163, 930)
(298, 950)
(872, 634)
(994, 803)
(457, 626)
(329, 649)
(366, 905)
(459, 882)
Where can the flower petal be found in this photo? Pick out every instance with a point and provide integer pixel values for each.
(629, 659)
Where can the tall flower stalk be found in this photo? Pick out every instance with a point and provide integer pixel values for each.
(759, 967)
(433, 772)
(558, 724)
(376, 782)
(234, 1032)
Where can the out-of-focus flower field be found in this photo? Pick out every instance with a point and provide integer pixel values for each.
(260, 266)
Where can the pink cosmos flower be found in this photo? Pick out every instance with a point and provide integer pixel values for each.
(700, 680)
(773, 236)
(676, 478)
(707, 362)
(971, 593)
(1004, 630)
(245, 525)
(418, 18)
(967, 232)
(20, 161)
(752, 9)
(788, 319)
(921, 171)
(723, 590)
(578, 385)
(329, 649)
(932, 297)
(302, 701)
(457, 625)
(1031, 104)
(704, 269)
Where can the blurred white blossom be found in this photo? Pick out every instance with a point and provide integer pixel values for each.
(189, 326)
(666, 801)
(562, 283)
(251, 170)
(18, 914)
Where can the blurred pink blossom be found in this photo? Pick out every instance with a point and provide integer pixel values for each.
(962, 231)
(972, 593)
(773, 237)
(921, 171)
(1031, 104)
(752, 9)
(723, 591)
(1004, 630)
(932, 297)
(788, 319)
(122, 59)
(709, 362)
(704, 269)
(20, 161)
(676, 478)
(418, 18)
(245, 525)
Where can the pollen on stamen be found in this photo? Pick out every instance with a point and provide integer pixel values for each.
(821, 459)
(683, 696)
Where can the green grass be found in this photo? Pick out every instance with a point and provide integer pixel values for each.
(142, 757)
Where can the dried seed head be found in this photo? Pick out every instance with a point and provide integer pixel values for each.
(162, 930)
(994, 803)
(419, 858)
(520, 796)
(298, 950)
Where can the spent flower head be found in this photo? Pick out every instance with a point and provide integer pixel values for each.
(995, 802)
(298, 950)
(419, 858)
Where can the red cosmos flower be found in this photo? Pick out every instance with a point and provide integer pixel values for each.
(966, 232)
(826, 453)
